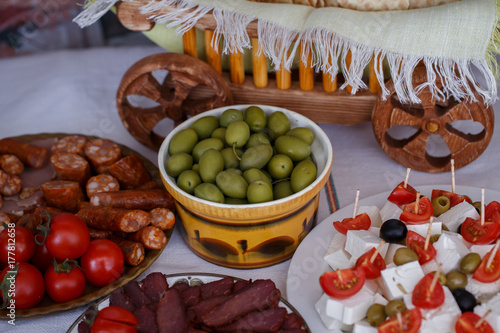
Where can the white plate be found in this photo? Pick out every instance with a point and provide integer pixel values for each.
(191, 279)
(307, 264)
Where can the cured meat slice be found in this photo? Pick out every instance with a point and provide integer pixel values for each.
(136, 295)
(102, 183)
(63, 194)
(114, 219)
(292, 320)
(206, 306)
(30, 155)
(147, 320)
(170, 314)
(69, 166)
(154, 286)
(217, 288)
(130, 172)
(11, 164)
(74, 144)
(259, 295)
(102, 153)
(269, 320)
(134, 199)
(191, 296)
(119, 298)
(162, 218)
(151, 237)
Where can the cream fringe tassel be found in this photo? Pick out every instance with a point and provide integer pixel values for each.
(329, 52)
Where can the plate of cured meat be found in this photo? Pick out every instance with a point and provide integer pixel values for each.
(200, 302)
(113, 189)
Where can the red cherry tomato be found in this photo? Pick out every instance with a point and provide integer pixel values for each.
(416, 215)
(372, 269)
(16, 244)
(103, 262)
(343, 283)
(360, 222)
(475, 232)
(425, 298)
(491, 208)
(68, 238)
(28, 284)
(41, 259)
(490, 273)
(467, 324)
(402, 195)
(410, 323)
(114, 319)
(455, 198)
(416, 242)
(64, 282)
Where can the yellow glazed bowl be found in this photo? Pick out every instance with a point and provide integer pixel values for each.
(252, 235)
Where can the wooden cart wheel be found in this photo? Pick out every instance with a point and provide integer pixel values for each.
(430, 118)
(173, 98)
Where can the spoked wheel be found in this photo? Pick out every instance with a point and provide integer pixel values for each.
(431, 123)
(144, 97)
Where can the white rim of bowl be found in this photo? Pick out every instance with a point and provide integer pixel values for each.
(164, 148)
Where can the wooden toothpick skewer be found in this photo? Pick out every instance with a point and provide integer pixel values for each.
(400, 319)
(407, 176)
(428, 237)
(482, 206)
(493, 253)
(483, 318)
(356, 204)
(452, 176)
(435, 279)
(377, 250)
(416, 202)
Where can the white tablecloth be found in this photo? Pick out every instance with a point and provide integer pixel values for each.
(74, 92)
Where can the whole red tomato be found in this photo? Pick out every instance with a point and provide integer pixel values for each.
(68, 237)
(16, 244)
(114, 319)
(26, 288)
(103, 262)
(41, 259)
(64, 282)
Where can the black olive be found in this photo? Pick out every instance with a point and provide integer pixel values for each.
(465, 300)
(459, 229)
(393, 231)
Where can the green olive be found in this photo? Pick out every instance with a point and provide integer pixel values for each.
(404, 255)
(256, 138)
(456, 279)
(230, 157)
(376, 314)
(259, 191)
(209, 192)
(229, 116)
(177, 163)
(477, 205)
(440, 204)
(441, 278)
(211, 163)
(303, 174)
(434, 238)
(188, 180)
(255, 118)
(196, 168)
(237, 133)
(253, 174)
(232, 184)
(219, 133)
(470, 263)
(204, 145)
(235, 170)
(282, 189)
(277, 124)
(393, 307)
(205, 126)
(183, 142)
(256, 157)
(295, 148)
(280, 166)
(303, 133)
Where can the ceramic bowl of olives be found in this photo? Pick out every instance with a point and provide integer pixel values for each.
(246, 180)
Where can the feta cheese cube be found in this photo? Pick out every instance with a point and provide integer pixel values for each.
(374, 214)
(482, 291)
(397, 281)
(377, 298)
(422, 229)
(335, 255)
(364, 326)
(390, 211)
(494, 317)
(360, 241)
(431, 266)
(375, 231)
(481, 249)
(389, 256)
(329, 322)
(450, 249)
(453, 217)
(349, 310)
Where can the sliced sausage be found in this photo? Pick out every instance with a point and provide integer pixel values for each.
(11, 164)
(10, 184)
(114, 219)
(30, 155)
(151, 237)
(74, 144)
(133, 252)
(130, 172)
(134, 199)
(102, 183)
(162, 218)
(69, 166)
(63, 194)
(100, 234)
(30, 221)
(101, 153)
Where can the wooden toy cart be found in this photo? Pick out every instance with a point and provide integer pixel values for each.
(194, 86)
